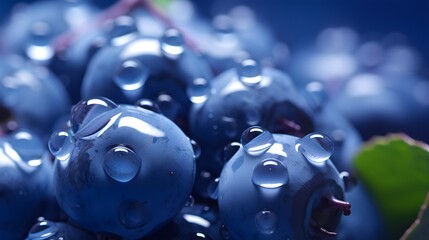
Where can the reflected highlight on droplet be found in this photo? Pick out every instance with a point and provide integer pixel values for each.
(172, 43)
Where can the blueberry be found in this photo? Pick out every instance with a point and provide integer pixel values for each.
(25, 182)
(159, 69)
(290, 191)
(30, 96)
(124, 170)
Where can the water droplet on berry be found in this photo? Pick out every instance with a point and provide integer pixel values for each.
(256, 140)
(224, 232)
(252, 115)
(169, 107)
(270, 173)
(43, 230)
(148, 105)
(88, 109)
(213, 189)
(250, 72)
(122, 30)
(60, 144)
(190, 201)
(121, 163)
(172, 43)
(266, 221)
(196, 148)
(199, 90)
(132, 214)
(229, 126)
(229, 150)
(131, 75)
(315, 147)
(40, 49)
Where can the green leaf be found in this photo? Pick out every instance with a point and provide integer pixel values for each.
(163, 4)
(395, 169)
(419, 230)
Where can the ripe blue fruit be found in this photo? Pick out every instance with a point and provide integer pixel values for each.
(25, 183)
(30, 96)
(279, 186)
(159, 69)
(120, 169)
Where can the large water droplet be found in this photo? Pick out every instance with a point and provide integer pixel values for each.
(121, 163)
(270, 173)
(172, 43)
(148, 105)
(250, 72)
(43, 230)
(133, 214)
(131, 75)
(256, 140)
(88, 109)
(266, 221)
(199, 90)
(315, 147)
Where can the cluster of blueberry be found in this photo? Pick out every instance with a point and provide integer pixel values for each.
(137, 123)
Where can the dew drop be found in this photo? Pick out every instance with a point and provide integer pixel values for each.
(60, 144)
(198, 236)
(172, 43)
(224, 232)
(169, 107)
(133, 214)
(229, 126)
(190, 201)
(88, 109)
(43, 230)
(121, 163)
(230, 150)
(196, 148)
(266, 221)
(131, 75)
(199, 90)
(250, 72)
(122, 30)
(270, 173)
(315, 147)
(148, 105)
(213, 189)
(256, 140)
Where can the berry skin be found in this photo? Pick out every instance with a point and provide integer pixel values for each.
(25, 183)
(121, 170)
(281, 187)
